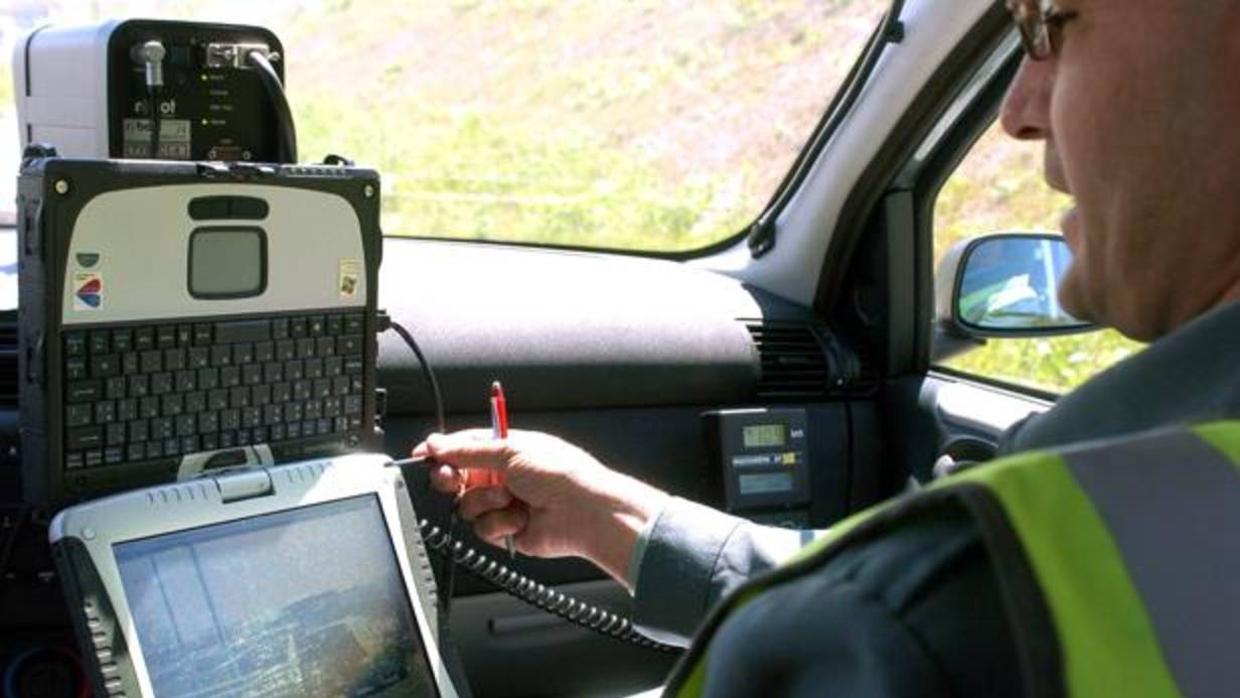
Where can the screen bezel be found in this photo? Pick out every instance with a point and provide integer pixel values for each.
(101, 524)
(264, 270)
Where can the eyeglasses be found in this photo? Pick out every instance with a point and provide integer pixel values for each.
(1040, 24)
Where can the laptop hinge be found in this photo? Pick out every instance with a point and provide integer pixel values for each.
(248, 484)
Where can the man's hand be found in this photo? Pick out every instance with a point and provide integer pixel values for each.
(557, 500)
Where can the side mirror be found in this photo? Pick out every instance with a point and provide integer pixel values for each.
(1002, 285)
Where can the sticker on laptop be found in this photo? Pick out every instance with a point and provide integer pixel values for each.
(88, 291)
(350, 280)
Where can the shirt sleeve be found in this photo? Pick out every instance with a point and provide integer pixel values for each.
(691, 557)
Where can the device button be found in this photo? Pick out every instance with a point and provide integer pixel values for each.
(85, 391)
(75, 344)
(248, 208)
(209, 208)
(243, 331)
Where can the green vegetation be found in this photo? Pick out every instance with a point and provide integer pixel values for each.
(999, 187)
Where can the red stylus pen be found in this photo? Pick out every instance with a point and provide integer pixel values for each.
(499, 430)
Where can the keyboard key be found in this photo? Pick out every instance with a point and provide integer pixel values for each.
(105, 412)
(139, 430)
(208, 422)
(355, 384)
(172, 447)
(340, 386)
(322, 388)
(353, 324)
(100, 342)
(75, 345)
(105, 366)
(189, 444)
(332, 407)
(152, 361)
(84, 438)
(314, 368)
(186, 381)
(114, 388)
(148, 407)
(324, 426)
(76, 369)
(239, 397)
(94, 458)
(264, 352)
(144, 338)
(163, 428)
(292, 412)
(258, 435)
(187, 425)
(286, 350)
(174, 359)
(208, 378)
(165, 337)
(172, 405)
(279, 328)
(335, 325)
(243, 353)
(122, 340)
(310, 427)
(230, 376)
(260, 395)
(79, 415)
(333, 366)
(230, 420)
(294, 370)
(199, 357)
(276, 432)
(113, 455)
(139, 386)
(297, 327)
(252, 417)
(195, 402)
(185, 335)
(354, 365)
(251, 374)
(221, 355)
(84, 391)
(273, 414)
(242, 331)
(316, 325)
(217, 399)
(243, 437)
(302, 389)
(312, 410)
(126, 410)
(281, 392)
(209, 442)
(202, 335)
(340, 424)
(114, 434)
(161, 383)
(228, 439)
(305, 348)
(292, 430)
(131, 363)
(136, 452)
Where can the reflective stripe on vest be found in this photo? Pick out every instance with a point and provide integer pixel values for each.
(1119, 562)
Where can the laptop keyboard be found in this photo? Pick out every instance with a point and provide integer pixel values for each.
(156, 391)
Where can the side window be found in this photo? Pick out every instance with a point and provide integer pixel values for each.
(999, 187)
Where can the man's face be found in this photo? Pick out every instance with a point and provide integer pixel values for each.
(1141, 118)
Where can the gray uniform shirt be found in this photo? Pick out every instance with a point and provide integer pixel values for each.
(693, 555)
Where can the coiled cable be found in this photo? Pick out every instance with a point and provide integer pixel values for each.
(538, 595)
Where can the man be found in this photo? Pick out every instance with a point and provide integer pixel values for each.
(1132, 100)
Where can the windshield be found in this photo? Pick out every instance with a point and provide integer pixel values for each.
(612, 124)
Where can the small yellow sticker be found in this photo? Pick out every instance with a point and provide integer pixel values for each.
(350, 281)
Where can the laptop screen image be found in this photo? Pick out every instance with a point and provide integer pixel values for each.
(307, 601)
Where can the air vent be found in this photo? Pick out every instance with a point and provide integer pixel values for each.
(794, 361)
(8, 365)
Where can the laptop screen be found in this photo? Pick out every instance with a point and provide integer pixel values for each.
(302, 602)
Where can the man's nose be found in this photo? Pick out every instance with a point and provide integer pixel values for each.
(1026, 108)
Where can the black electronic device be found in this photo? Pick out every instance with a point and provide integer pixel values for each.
(761, 461)
(177, 317)
(306, 579)
(207, 91)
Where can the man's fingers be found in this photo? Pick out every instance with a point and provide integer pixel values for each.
(493, 526)
(473, 449)
(479, 501)
(446, 479)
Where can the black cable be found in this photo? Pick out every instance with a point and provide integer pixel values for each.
(537, 595)
(510, 581)
(152, 93)
(447, 573)
(279, 101)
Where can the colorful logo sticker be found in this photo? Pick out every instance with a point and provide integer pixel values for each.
(350, 280)
(88, 291)
(87, 260)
